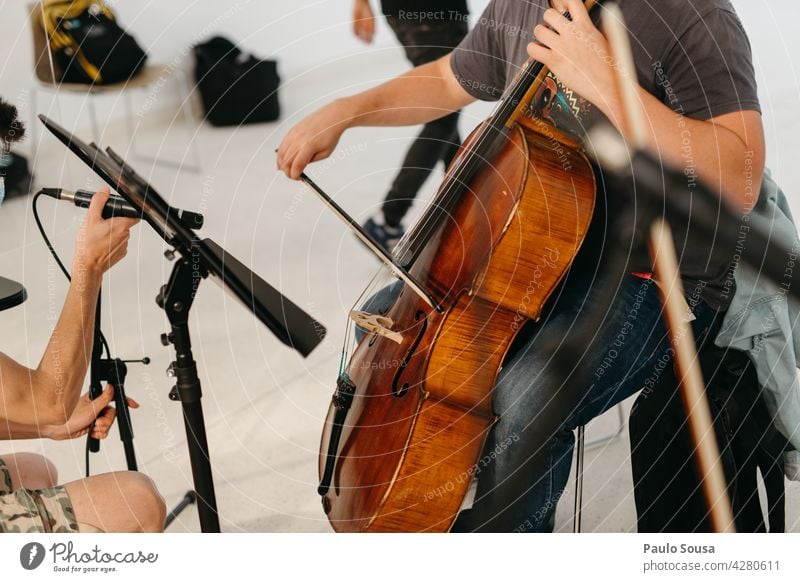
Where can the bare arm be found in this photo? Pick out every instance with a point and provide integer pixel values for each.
(727, 153)
(421, 95)
(95, 415)
(48, 394)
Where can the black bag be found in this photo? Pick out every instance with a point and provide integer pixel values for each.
(236, 87)
(88, 45)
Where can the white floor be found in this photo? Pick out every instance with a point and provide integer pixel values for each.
(264, 404)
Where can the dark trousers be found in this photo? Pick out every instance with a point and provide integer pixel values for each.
(424, 41)
(666, 484)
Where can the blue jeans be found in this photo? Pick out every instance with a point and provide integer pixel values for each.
(527, 458)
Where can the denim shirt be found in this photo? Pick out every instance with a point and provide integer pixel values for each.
(762, 320)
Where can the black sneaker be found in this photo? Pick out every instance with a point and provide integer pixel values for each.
(384, 235)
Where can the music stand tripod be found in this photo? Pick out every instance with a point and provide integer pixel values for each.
(114, 371)
(197, 259)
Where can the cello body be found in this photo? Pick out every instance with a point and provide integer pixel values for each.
(409, 419)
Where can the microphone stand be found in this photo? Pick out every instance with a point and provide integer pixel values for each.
(113, 371)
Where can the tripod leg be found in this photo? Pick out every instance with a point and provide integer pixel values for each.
(124, 414)
(188, 499)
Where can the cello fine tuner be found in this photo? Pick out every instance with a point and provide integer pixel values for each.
(377, 324)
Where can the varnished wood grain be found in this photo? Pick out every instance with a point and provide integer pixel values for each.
(405, 460)
(547, 229)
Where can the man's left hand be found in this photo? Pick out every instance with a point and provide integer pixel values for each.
(576, 52)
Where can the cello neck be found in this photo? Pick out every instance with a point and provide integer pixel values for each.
(523, 89)
(490, 136)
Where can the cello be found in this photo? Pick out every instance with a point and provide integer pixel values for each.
(413, 404)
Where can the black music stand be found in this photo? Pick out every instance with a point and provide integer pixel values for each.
(198, 258)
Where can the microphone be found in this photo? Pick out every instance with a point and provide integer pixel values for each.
(116, 206)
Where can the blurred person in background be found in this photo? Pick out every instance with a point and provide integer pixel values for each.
(427, 30)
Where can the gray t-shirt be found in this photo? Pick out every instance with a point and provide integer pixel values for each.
(692, 54)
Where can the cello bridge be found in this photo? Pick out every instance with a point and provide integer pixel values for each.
(377, 324)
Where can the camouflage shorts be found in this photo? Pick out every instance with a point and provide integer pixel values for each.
(34, 511)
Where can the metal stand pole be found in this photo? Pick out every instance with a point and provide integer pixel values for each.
(579, 446)
(113, 371)
(176, 298)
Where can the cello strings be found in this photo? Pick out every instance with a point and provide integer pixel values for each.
(456, 177)
(350, 325)
(435, 205)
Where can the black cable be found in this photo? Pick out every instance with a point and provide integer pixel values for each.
(44, 236)
(87, 455)
(64, 270)
(58, 260)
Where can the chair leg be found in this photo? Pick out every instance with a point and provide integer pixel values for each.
(188, 118)
(579, 451)
(34, 126)
(615, 435)
(129, 126)
(195, 166)
(93, 119)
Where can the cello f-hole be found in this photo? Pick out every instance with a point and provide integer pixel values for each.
(401, 390)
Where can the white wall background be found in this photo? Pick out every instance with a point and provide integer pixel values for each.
(301, 34)
(304, 35)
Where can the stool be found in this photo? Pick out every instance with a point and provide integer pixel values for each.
(580, 448)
